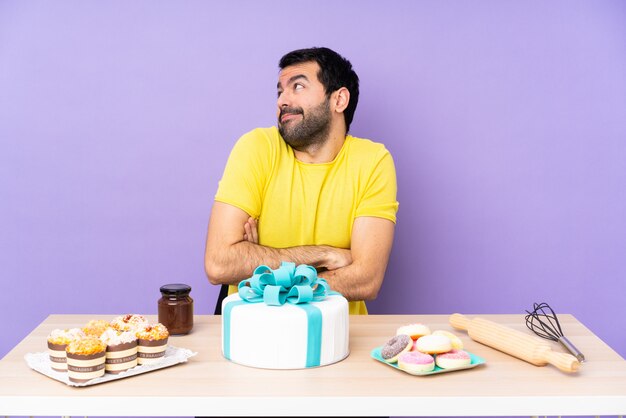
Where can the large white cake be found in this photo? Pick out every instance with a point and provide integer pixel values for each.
(286, 336)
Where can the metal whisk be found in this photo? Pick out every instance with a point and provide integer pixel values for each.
(543, 322)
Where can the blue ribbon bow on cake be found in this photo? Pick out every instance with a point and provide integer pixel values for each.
(288, 283)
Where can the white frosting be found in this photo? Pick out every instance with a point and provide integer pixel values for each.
(113, 337)
(275, 337)
(129, 322)
(70, 334)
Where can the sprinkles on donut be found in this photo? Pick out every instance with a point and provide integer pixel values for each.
(396, 346)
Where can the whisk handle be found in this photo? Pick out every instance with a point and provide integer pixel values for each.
(572, 349)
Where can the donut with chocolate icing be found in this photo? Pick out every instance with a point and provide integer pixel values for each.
(396, 346)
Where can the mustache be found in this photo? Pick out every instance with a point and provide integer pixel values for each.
(291, 111)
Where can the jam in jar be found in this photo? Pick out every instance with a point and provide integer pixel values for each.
(176, 308)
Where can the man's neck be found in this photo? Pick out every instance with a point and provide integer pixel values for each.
(323, 152)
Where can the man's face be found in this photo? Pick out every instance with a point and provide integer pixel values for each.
(304, 116)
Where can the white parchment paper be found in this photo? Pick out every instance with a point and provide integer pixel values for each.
(41, 363)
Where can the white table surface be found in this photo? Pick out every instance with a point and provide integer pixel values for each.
(358, 386)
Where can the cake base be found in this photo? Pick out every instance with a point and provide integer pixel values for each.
(285, 337)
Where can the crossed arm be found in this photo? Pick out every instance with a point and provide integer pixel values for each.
(232, 253)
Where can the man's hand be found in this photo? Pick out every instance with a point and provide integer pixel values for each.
(251, 233)
(337, 258)
(361, 279)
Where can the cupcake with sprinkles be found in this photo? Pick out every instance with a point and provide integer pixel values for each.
(129, 322)
(57, 342)
(85, 359)
(152, 342)
(96, 327)
(121, 350)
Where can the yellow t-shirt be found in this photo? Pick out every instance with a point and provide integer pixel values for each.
(308, 204)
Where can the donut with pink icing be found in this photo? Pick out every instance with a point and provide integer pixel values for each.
(416, 362)
(453, 359)
(396, 346)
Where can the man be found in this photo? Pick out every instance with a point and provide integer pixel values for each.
(307, 192)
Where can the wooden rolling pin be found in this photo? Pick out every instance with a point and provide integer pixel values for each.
(514, 343)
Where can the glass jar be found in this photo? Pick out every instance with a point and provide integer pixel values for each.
(176, 308)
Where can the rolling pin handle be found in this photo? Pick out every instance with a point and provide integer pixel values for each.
(564, 362)
(459, 321)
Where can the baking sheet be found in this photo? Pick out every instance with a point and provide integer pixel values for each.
(41, 363)
(475, 361)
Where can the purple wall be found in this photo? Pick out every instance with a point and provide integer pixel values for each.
(507, 121)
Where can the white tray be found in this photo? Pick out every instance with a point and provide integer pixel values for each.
(41, 363)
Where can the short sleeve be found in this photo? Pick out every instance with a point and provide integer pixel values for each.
(246, 173)
(379, 198)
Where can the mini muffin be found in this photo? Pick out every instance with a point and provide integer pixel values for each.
(96, 327)
(85, 359)
(57, 342)
(129, 322)
(121, 351)
(152, 342)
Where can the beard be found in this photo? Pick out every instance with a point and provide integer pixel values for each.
(311, 131)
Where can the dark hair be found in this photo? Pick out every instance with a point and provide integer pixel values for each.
(335, 72)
